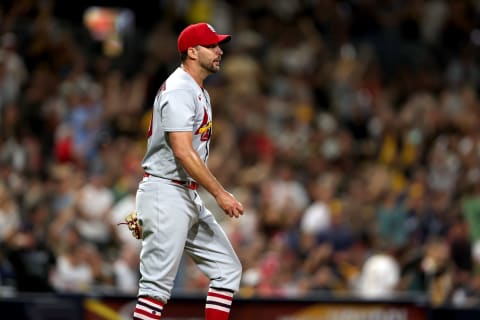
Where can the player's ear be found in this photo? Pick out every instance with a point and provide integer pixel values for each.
(192, 53)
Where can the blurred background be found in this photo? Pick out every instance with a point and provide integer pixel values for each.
(349, 129)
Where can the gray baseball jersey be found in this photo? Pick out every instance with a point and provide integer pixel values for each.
(174, 217)
(181, 105)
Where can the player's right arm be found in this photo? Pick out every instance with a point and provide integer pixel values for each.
(181, 144)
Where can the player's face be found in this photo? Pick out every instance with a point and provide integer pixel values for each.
(209, 57)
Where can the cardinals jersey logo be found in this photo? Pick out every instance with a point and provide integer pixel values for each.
(205, 129)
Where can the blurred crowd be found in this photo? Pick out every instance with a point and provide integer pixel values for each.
(348, 129)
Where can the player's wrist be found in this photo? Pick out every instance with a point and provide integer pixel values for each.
(218, 191)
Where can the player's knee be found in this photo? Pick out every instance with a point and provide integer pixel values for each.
(231, 274)
(237, 268)
(235, 274)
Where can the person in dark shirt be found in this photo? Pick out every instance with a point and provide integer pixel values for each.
(29, 255)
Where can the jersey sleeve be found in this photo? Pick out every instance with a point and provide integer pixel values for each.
(178, 111)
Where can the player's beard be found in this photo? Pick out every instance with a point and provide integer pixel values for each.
(211, 67)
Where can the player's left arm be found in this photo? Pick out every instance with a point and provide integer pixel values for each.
(181, 144)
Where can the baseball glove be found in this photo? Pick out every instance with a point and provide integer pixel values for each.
(133, 224)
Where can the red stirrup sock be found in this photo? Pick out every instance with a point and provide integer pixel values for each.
(218, 304)
(148, 309)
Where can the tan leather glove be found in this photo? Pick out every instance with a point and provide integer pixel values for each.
(133, 224)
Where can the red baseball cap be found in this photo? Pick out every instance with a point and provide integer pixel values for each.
(201, 34)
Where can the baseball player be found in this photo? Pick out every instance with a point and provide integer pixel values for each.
(172, 217)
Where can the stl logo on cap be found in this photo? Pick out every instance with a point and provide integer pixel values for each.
(211, 28)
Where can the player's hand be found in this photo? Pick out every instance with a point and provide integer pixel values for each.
(230, 205)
